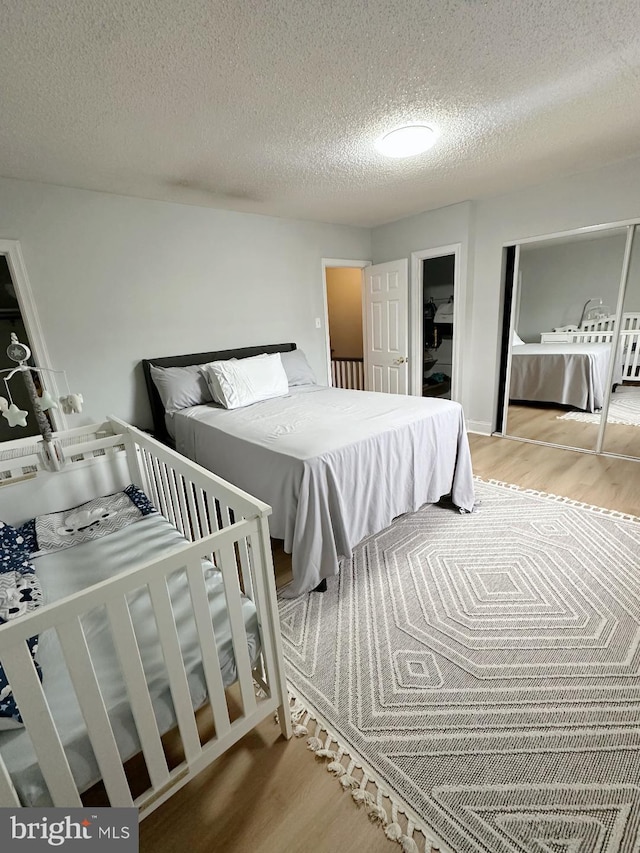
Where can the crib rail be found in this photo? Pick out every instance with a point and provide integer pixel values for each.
(23, 458)
(223, 524)
(630, 345)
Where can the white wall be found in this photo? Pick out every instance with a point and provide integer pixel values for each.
(118, 279)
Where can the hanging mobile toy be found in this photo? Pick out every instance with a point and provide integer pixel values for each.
(41, 403)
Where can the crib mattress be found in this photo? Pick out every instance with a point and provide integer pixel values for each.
(73, 569)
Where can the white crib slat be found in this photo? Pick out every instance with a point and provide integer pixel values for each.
(242, 551)
(8, 794)
(206, 635)
(213, 513)
(270, 634)
(184, 510)
(170, 515)
(80, 666)
(175, 668)
(133, 673)
(238, 632)
(245, 565)
(193, 512)
(151, 483)
(157, 473)
(177, 514)
(225, 514)
(39, 723)
(205, 523)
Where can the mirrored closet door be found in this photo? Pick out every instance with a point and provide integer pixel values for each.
(622, 432)
(567, 344)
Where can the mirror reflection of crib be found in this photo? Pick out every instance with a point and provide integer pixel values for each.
(629, 340)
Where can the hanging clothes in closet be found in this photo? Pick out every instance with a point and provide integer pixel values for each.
(430, 333)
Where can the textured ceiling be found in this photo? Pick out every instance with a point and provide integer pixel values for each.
(273, 106)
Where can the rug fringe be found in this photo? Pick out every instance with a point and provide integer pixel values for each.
(612, 513)
(395, 818)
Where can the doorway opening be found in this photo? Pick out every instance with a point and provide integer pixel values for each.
(345, 334)
(437, 325)
(344, 316)
(437, 303)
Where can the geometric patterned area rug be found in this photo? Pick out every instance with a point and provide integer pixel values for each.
(474, 680)
(624, 408)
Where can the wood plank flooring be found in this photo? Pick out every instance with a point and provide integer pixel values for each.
(542, 423)
(267, 795)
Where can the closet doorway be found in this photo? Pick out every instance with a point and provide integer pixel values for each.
(436, 313)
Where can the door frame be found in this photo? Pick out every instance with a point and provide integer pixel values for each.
(15, 260)
(329, 263)
(415, 317)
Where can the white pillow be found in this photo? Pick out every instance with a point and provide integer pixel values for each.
(247, 380)
(517, 340)
(297, 368)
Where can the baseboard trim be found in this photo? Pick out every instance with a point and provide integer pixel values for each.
(481, 427)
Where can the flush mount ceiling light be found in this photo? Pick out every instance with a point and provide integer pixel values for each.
(407, 141)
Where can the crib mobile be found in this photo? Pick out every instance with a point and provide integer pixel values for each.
(53, 454)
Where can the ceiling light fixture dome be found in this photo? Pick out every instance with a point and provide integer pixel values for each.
(408, 141)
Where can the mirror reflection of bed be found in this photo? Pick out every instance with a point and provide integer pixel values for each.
(564, 339)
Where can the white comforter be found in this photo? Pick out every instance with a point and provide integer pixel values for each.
(335, 465)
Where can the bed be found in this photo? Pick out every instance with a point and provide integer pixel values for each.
(140, 627)
(336, 465)
(568, 374)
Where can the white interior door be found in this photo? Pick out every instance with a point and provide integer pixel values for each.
(386, 323)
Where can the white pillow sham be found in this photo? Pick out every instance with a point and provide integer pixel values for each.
(237, 383)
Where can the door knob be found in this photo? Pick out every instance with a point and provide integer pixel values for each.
(401, 360)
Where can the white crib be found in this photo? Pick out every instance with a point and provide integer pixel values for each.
(218, 522)
(602, 330)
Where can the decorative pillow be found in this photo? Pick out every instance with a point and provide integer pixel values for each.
(247, 380)
(98, 517)
(180, 387)
(20, 593)
(28, 533)
(297, 368)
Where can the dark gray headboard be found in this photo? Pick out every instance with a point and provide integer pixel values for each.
(157, 409)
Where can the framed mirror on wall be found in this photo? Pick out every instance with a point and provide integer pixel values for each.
(569, 340)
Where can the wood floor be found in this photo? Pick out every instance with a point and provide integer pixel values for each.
(543, 423)
(266, 795)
